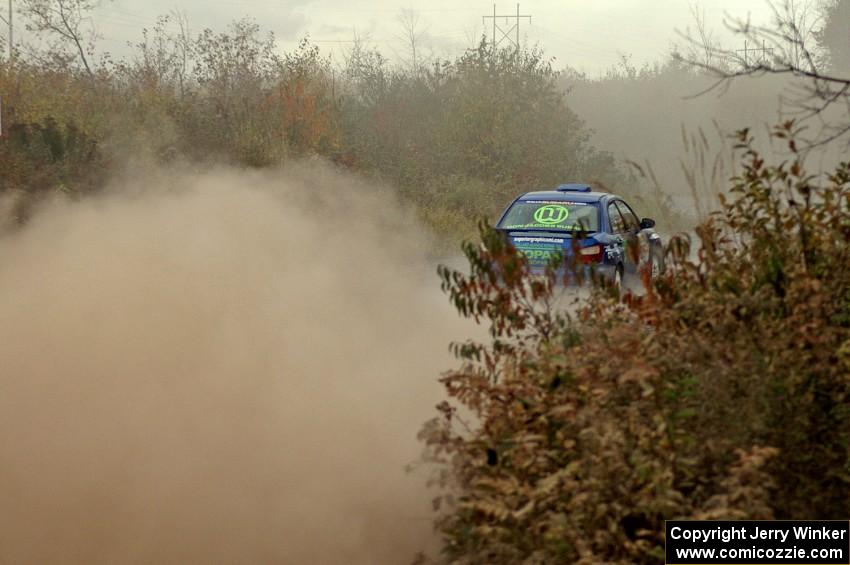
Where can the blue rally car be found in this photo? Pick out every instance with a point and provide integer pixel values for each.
(613, 240)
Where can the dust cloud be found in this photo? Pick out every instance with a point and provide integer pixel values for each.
(218, 367)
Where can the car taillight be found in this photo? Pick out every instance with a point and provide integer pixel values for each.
(592, 254)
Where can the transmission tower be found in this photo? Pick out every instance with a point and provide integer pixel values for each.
(505, 33)
(762, 59)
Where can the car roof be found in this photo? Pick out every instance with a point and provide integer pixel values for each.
(565, 196)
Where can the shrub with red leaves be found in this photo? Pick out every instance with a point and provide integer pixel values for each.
(722, 392)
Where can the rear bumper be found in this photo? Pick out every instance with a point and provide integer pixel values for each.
(586, 274)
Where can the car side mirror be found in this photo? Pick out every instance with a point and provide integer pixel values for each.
(647, 223)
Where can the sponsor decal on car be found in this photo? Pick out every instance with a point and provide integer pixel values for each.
(538, 250)
(525, 239)
(551, 214)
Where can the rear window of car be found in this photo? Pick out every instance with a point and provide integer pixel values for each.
(551, 215)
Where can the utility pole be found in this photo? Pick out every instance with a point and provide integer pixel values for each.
(505, 34)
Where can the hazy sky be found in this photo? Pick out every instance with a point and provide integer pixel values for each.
(588, 35)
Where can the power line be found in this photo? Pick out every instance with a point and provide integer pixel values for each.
(506, 33)
(575, 45)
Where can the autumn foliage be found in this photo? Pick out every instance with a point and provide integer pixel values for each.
(456, 138)
(722, 392)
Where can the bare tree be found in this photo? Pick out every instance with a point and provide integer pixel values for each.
(704, 46)
(65, 20)
(166, 53)
(472, 34)
(182, 41)
(801, 22)
(365, 70)
(787, 45)
(9, 23)
(412, 33)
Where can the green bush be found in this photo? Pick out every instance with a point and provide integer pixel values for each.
(720, 393)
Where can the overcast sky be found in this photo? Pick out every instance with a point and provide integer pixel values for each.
(587, 35)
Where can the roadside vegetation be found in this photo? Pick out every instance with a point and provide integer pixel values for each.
(720, 394)
(456, 138)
